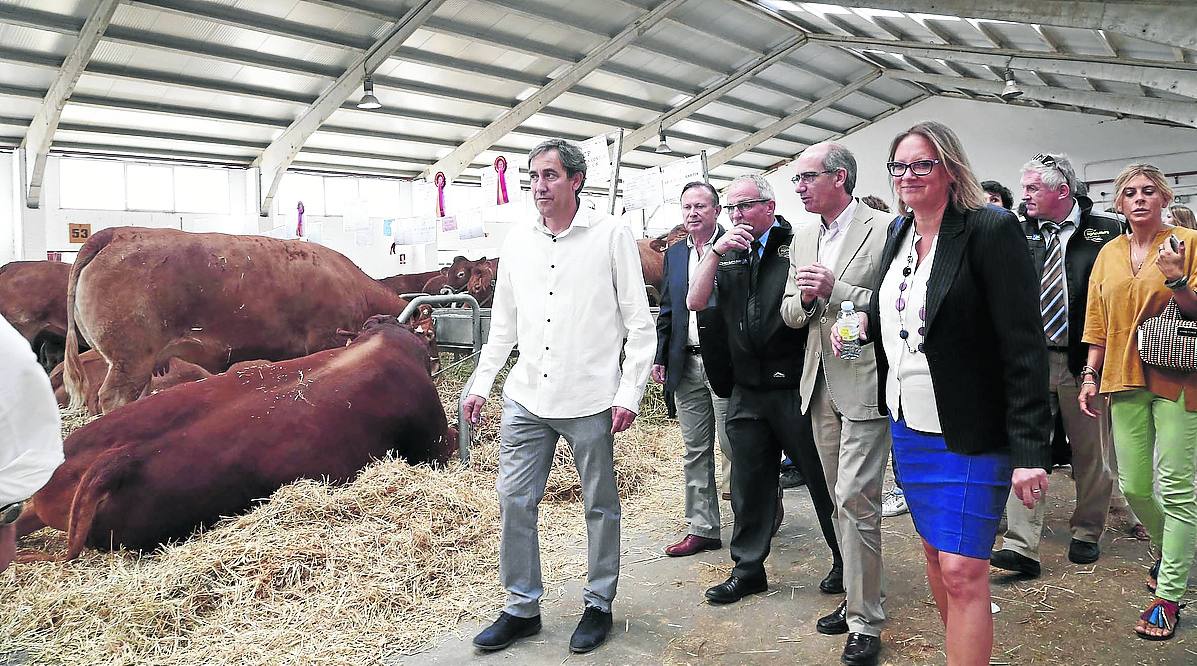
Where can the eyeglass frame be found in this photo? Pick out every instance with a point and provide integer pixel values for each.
(809, 177)
(889, 166)
(742, 205)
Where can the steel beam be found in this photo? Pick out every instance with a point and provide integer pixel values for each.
(679, 113)
(748, 143)
(39, 136)
(1096, 67)
(1163, 22)
(456, 161)
(1183, 113)
(273, 161)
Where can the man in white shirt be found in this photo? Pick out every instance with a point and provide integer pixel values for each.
(30, 439)
(833, 261)
(570, 292)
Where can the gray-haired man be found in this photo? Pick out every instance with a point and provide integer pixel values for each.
(1065, 235)
(569, 291)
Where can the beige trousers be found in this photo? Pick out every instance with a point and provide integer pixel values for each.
(854, 456)
(1090, 441)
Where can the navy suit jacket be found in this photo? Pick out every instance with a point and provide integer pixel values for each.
(673, 326)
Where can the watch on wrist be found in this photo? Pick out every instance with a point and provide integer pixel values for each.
(10, 513)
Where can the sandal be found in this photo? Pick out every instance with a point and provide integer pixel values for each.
(1161, 614)
(1153, 576)
(1140, 532)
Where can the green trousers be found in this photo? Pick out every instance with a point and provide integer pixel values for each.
(1143, 422)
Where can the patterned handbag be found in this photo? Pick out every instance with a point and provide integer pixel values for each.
(1168, 340)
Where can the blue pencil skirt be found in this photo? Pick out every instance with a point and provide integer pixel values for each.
(956, 500)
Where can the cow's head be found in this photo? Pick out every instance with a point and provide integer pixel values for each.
(423, 324)
(675, 234)
(482, 281)
(458, 273)
(420, 330)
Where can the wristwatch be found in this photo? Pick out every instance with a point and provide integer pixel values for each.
(10, 513)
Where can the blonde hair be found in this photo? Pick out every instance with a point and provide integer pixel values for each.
(965, 192)
(1182, 216)
(1148, 171)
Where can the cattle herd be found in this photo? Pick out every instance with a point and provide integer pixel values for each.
(224, 367)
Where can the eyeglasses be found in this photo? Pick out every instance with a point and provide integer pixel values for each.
(918, 168)
(743, 206)
(809, 176)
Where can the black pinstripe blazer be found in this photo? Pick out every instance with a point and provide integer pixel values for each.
(984, 340)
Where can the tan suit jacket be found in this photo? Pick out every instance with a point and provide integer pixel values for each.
(852, 385)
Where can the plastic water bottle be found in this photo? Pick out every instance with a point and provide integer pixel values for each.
(849, 329)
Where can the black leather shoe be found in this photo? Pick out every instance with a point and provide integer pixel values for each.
(592, 630)
(1012, 561)
(835, 623)
(861, 650)
(834, 582)
(791, 477)
(735, 588)
(1083, 552)
(505, 631)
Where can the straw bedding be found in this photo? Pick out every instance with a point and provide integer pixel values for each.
(353, 574)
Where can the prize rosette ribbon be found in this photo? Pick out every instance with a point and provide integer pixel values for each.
(299, 218)
(439, 180)
(501, 169)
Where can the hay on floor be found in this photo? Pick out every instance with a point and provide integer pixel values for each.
(353, 574)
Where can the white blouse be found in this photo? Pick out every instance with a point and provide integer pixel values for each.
(908, 389)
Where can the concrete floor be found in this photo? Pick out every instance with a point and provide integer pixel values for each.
(1071, 614)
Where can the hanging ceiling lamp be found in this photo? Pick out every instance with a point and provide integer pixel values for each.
(663, 148)
(1011, 91)
(369, 101)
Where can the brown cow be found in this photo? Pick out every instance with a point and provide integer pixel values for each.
(171, 372)
(652, 255)
(33, 298)
(156, 469)
(455, 276)
(482, 282)
(139, 295)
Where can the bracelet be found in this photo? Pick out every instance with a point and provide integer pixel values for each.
(1089, 382)
(1177, 284)
(1089, 370)
(717, 253)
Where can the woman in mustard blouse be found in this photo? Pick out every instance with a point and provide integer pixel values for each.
(1133, 279)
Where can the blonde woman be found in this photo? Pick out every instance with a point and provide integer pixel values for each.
(962, 370)
(1134, 278)
(1182, 216)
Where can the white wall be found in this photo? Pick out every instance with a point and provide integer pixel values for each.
(999, 139)
(9, 238)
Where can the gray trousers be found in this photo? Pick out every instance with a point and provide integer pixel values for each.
(527, 444)
(854, 456)
(701, 415)
(1090, 441)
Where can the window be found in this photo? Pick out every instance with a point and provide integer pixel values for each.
(149, 187)
(382, 197)
(297, 187)
(201, 190)
(339, 194)
(94, 184)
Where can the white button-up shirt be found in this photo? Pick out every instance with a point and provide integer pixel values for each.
(695, 258)
(908, 385)
(570, 301)
(30, 432)
(831, 236)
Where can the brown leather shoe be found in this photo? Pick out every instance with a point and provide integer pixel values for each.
(692, 544)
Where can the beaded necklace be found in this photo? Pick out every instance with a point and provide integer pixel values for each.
(900, 305)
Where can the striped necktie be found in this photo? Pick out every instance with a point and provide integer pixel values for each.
(1052, 304)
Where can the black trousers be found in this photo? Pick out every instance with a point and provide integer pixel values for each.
(760, 425)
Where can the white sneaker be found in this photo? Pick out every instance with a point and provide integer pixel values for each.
(894, 504)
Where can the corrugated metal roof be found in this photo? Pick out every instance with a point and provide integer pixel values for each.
(242, 70)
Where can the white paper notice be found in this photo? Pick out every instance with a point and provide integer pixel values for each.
(415, 231)
(642, 191)
(469, 225)
(675, 175)
(448, 223)
(423, 199)
(598, 159)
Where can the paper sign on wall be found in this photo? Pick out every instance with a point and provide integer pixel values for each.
(676, 174)
(598, 159)
(448, 223)
(388, 226)
(78, 233)
(642, 191)
(414, 230)
(469, 225)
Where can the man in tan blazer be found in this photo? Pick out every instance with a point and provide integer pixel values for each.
(833, 260)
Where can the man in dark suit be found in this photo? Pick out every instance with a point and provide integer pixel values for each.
(1065, 235)
(745, 274)
(684, 343)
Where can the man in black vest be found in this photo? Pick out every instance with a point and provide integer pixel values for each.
(1064, 234)
(745, 274)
